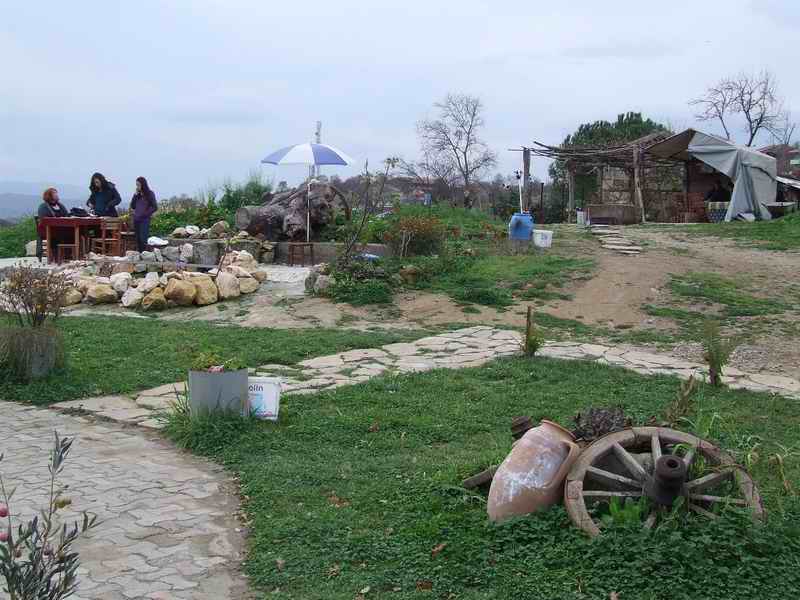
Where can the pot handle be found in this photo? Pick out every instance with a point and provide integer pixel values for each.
(572, 456)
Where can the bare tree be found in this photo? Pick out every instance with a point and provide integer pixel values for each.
(455, 135)
(753, 97)
(437, 172)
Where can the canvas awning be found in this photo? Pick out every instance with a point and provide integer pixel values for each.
(753, 173)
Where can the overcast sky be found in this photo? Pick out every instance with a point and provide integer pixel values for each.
(189, 92)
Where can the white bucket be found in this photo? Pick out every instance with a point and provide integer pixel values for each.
(542, 238)
(580, 217)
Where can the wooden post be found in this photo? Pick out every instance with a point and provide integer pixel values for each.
(526, 178)
(571, 189)
(637, 184)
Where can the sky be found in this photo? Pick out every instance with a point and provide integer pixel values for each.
(189, 93)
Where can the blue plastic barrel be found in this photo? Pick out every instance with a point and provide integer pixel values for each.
(521, 227)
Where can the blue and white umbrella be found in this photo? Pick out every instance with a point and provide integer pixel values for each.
(308, 154)
(312, 155)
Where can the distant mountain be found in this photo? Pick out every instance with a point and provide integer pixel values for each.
(22, 198)
(14, 206)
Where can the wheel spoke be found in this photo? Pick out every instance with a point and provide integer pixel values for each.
(689, 457)
(702, 511)
(634, 468)
(707, 482)
(724, 499)
(607, 495)
(655, 445)
(603, 476)
(651, 519)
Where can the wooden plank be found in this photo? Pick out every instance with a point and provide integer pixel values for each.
(689, 457)
(607, 495)
(651, 519)
(630, 463)
(603, 476)
(707, 482)
(724, 499)
(702, 511)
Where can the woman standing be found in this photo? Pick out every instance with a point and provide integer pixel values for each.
(104, 196)
(143, 205)
(50, 207)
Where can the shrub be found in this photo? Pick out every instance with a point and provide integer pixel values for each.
(14, 238)
(534, 339)
(38, 560)
(34, 296)
(360, 293)
(416, 235)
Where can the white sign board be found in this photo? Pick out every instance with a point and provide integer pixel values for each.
(265, 397)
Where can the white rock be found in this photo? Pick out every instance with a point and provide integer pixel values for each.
(322, 283)
(159, 257)
(140, 267)
(192, 229)
(103, 280)
(148, 256)
(162, 280)
(171, 253)
(238, 271)
(132, 298)
(121, 282)
(132, 256)
(179, 232)
(187, 252)
(248, 285)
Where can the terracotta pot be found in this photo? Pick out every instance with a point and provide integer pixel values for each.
(532, 476)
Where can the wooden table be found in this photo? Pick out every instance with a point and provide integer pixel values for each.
(74, 223)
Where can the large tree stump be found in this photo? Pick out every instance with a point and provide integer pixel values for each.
(283, 216)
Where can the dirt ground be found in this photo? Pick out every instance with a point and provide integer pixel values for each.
(612, 298)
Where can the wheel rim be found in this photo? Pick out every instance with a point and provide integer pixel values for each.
(590, 481)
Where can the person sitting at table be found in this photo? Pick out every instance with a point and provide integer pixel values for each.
(104, 198)
(144, 206)
(50, 207)
(718, 193)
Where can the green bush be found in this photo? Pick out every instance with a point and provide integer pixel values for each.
(14, 238)
(415, 235)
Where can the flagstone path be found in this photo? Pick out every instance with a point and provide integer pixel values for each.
(471, 347)
(167, 527)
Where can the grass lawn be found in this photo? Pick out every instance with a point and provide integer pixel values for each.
(778, 234)
(107, 355)
(356, 492)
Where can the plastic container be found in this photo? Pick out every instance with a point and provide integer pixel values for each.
(521, 227)
(219, 392)
(542, 238)
(531, 477)
(580, 217)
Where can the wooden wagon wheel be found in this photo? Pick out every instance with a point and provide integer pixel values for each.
(660, 464)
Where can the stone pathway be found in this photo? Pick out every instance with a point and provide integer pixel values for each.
(167, 527)
(613, 239)
(463, 348)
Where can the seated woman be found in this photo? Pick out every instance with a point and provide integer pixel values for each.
(50, 207)
(104, 197)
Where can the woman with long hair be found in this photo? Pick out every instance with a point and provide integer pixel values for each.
(50, 207)
(143, 205)
(104, 197)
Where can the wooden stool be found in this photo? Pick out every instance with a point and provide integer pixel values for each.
(298, 249)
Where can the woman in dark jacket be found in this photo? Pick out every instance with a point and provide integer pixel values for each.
(50, 207)
(104, 196)
(143, 205)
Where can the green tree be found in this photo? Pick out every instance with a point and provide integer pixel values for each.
(628, 127)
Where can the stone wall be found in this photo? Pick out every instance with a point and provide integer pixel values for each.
(326, 252)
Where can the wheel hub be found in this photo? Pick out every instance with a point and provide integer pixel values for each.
(667, 481)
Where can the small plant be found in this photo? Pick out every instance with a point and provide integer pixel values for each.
(716, 350)
(37, 561)
(594, 423)
(213, 363)
(683, 404)
(534, 340)
(628, 513)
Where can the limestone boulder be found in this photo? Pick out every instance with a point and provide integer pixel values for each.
(206, 252)
(132, 298)
(206, 290)
(192, 230)
(148, 256)
(155, 300)
(140, 267)
(149, 283)
(71, 297)
(228, 285)
(121, 282)
(218, 229)
(322, 283)
(237, 270)
(187, 253)
(133, 256)
(248, 285)
(259, 275)
(125, 267)
(171, 253)
(101, 294)
(180, 292)
(180, 232)
(83, 284)
(310, 281)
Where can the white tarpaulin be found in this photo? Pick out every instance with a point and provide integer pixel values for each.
(753, 173)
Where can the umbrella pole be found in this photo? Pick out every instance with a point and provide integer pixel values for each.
(308, 214)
